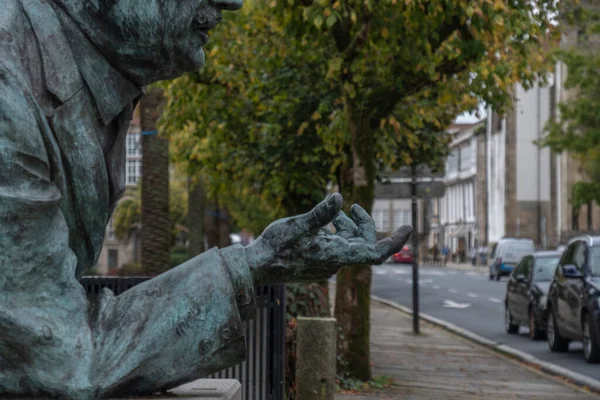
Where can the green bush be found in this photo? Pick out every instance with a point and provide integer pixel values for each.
(179, 255)
(132, 269)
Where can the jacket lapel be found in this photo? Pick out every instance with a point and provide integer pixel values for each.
(86, 202)
(61, 74)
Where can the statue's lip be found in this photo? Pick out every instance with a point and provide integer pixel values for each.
(204, 23)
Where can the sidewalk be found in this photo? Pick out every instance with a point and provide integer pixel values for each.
(438, 365)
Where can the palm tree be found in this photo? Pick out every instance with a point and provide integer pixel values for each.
(156, 224)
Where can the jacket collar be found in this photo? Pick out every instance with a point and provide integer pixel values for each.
(67, 56)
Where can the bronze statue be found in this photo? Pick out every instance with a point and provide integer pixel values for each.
(71, 73)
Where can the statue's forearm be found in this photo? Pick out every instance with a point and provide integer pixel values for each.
(181, 325)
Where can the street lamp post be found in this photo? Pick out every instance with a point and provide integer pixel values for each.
(415, 243)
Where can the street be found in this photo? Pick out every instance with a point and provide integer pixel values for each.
(469, 300)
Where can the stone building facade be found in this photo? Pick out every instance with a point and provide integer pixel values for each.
(454, 221)
(517, 200)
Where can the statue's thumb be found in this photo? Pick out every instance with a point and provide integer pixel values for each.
(394, 243)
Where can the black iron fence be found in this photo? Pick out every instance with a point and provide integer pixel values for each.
(262, 374)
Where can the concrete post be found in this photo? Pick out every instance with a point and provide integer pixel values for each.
(316, 359)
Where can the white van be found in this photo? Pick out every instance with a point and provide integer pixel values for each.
(506, 255)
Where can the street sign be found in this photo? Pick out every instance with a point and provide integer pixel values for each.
(403, 190)
(421, 170)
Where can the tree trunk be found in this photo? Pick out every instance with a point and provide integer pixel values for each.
(224, 221)
(156, 223)
(211, 223)
(195, 218)
(353, 288)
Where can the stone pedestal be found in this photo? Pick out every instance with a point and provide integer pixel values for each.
(316, 359)
(202, 389)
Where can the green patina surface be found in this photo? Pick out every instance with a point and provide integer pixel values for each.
(71, 73)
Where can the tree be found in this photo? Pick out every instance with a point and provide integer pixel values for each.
(195, 217)
(243, 121)
(301, 93)
(401, 67)
(128, 212)
(156, 227)
(577, 130)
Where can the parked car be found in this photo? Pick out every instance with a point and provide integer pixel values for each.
(527, 291)
(506, 255)
(404, 256)
(574, 299)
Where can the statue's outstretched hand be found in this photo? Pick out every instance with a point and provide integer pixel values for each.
(303, 249)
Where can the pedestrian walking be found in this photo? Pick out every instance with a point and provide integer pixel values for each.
(445, 251)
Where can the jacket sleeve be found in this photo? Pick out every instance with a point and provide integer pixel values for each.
(177, 327)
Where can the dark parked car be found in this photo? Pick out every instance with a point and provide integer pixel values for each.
(526, 293)
(573, 299)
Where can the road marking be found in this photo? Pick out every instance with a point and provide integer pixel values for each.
(495, 300)
(453, 304)
(453, 290)
(409, 281)
(432, 273)
(426, 280)
(473, 295)
(436, 287)
(381, 272)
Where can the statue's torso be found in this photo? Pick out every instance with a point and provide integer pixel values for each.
(85, 154)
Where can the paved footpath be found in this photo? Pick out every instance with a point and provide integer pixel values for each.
(437, 365)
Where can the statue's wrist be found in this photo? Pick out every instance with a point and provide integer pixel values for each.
(258, 256)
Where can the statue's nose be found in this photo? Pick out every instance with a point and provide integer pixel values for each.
(230, 5)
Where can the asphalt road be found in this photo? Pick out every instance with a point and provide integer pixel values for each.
(471, 301)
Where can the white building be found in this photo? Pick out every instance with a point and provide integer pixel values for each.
(519, 172)
(391, 214)
(454, 216)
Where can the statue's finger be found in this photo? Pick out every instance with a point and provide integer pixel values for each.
(344, 226)
(322, 214)
(366, 225)
(393, 244)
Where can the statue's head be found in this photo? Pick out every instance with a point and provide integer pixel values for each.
(149, 40)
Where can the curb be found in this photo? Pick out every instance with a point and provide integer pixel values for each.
(580, 380)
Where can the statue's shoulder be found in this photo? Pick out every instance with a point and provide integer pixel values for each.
(11, 21)
(12, 27)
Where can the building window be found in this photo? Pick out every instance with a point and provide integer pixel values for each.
(467, 156)
(402, 217)
(133, 145)
(113, 258)
(452, 162)
(133, 171)
(382, 220)
(110, 230)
